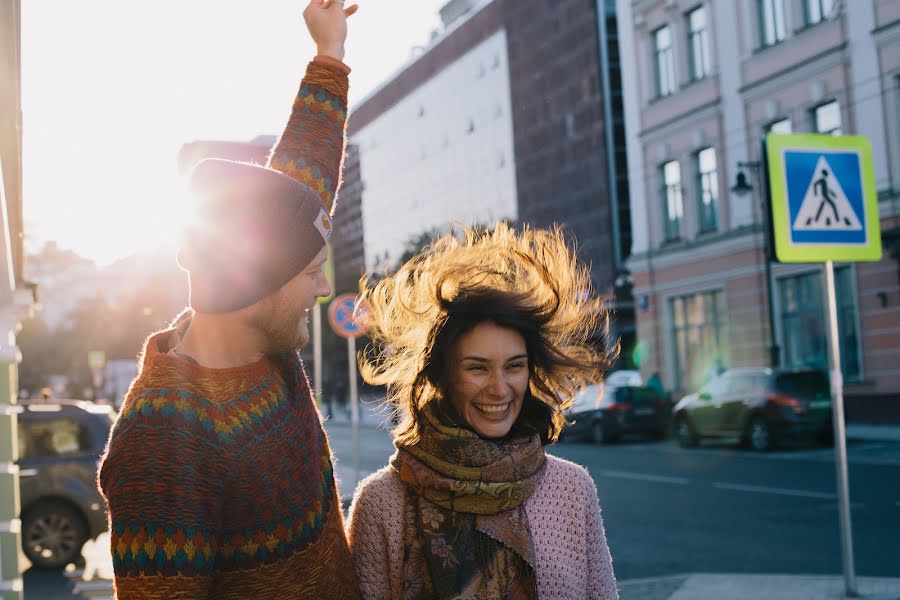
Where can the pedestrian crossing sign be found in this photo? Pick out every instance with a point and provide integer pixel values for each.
(824, 205)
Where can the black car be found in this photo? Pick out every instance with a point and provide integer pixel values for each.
(60, 444)
(607, 415)
(761, 407)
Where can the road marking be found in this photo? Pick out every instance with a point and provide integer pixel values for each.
(739, 487)
(645, 477)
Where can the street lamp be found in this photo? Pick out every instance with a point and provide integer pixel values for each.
(742, 187)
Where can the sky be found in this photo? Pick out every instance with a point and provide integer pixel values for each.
(111, 90)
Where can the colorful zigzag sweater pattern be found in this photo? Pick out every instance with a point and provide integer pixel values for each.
(219, 482)
(220, 485)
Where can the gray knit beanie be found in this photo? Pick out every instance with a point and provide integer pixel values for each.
(253, 230)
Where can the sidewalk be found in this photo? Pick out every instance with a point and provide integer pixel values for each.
(704, 586)
(873, 433)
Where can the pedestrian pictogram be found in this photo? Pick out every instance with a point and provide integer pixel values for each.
(825, 207)
(349, 317)
(823, 198)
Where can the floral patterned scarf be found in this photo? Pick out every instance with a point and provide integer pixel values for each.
(465, 533)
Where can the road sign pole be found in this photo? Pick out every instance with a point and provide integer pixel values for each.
(317, 354)
(840, 440)
(354, 406)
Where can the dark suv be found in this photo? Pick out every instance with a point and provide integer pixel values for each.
(60, 443)
(760, 406)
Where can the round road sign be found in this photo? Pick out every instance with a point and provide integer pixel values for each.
(347, 319)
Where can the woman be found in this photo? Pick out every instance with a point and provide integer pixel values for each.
(482, 342)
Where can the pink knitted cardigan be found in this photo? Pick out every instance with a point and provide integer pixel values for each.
(573, 560)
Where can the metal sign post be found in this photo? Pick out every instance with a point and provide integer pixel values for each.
(824, 207)
(349, 317)
(354, 406)
(840, 442)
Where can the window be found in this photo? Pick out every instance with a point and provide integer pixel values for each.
(803, 322)
(53, 437)
(673, 207)
(817, 10)
(708, 189)
(827, 118)
(665, 61)
(771, 21)
(698, 330)
(698, 42)
(781, 126)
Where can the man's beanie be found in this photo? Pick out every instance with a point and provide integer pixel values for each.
(253, 229)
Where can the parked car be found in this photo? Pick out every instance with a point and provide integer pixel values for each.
(60, 444)
(760, 406)
(618, 406)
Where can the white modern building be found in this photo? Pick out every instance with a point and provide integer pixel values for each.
(443, 153)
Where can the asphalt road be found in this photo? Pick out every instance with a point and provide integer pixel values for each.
(670, 511)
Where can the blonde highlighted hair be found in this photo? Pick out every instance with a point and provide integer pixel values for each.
(529, 281)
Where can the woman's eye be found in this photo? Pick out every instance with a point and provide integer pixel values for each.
(516, 365)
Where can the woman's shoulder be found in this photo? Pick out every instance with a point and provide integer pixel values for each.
(383, 487)
(568, 478)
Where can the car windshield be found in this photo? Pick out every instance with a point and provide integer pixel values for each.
(588, 398)
(802, 384)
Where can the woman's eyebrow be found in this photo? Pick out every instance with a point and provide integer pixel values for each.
(482, 359)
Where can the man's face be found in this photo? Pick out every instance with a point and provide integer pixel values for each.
(284, 316)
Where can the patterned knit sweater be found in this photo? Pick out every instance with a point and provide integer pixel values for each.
(219, 482)
(573, 560)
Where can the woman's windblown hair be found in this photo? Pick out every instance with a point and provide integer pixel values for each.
(529, 281)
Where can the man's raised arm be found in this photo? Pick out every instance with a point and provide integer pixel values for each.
(311, 148)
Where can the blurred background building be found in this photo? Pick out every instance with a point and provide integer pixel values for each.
(16, 295)
(512, 112)
(706, 80)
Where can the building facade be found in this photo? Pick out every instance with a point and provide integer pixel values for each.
(704, 82)
(503, 117)
(16, 295)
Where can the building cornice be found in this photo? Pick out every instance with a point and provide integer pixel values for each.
(699, 249)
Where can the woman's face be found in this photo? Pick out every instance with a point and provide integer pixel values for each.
(488, 378)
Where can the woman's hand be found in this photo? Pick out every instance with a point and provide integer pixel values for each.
(327, 24)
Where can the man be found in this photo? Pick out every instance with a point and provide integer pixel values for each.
(218, 475)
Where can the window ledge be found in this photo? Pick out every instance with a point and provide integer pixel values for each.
(807, 26)
(658, 98)
(858, 382)
(762, 48)
(696, 80)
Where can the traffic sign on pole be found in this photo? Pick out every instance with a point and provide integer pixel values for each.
(823, 198)
(349, 317)
(824, 208)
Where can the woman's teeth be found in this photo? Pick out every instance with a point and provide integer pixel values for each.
(492, 409)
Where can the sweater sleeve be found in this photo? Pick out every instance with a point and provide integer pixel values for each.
(369, 541)
(161, 478)
(601, 578)
(311, 148)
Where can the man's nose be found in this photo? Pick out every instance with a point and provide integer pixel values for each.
(325, 289)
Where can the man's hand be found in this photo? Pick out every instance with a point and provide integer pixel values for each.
(327, 24)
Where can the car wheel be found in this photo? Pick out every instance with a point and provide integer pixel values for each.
(685, 433)
(660, 434)
(53, 534)
(759, 435)
(599, 433)
(825, 437)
